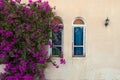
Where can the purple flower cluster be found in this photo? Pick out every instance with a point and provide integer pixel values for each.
(56, 27)
(1, 5)
(28, 77)
(45, 6)
(24, 36)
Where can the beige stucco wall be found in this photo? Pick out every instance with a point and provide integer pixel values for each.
(102, 43)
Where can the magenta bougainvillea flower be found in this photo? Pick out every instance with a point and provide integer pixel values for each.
(18, 1)
(1, 5)
(25, 33)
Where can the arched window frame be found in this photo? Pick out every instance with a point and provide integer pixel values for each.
(61, 24)
(84, 36)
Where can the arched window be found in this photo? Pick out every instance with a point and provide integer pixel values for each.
(79, 27)
(58, 43)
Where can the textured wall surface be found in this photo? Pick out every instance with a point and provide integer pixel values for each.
(102, 43)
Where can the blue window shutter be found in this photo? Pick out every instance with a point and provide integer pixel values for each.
(57, 41)
(78, 40)
(78, 36)
(78, 50)
(55, 50)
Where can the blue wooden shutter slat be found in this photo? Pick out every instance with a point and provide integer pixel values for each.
(78, 36)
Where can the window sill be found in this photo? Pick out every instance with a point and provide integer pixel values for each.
(78, 56)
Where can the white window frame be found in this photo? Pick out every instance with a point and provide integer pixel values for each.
(61, 41)
(84, 37)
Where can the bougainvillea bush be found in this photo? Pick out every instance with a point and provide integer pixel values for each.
(25, 31)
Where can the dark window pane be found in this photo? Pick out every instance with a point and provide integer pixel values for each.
(78, 50)
(78, 36)
(55, 51)
(57, 41)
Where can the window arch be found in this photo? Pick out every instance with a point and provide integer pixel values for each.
(78, 21)
(79, 31)
(58, 20)
(59, 42)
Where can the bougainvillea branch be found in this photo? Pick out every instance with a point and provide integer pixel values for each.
(25, 31)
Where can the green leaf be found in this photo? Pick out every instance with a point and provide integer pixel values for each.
(24, 54)
(40, 66)
(11, 54)
(21, 19)
(57, 51)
